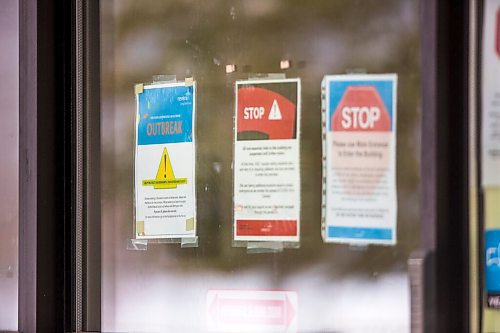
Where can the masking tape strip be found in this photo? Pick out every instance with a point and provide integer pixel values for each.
(164, 78)
(264, 247)
(137, 245)
(139, 88)
(139, 227)
(189, 81)
(187, 242)
(190, 224)
(356, 71)
(266, 76)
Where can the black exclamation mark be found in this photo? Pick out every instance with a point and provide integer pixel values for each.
(165, 166)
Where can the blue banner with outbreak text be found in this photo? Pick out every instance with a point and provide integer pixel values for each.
(165, 115)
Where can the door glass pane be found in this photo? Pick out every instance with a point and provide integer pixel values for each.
(9, 128)
(339, 288)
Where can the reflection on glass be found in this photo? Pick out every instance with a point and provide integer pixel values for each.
(251, 311)
(9, 114)
(337, 287)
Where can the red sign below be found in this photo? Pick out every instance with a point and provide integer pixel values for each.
(251, 311)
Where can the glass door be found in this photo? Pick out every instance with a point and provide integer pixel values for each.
(307, 285)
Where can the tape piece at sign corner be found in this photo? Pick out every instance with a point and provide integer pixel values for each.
(139, 88)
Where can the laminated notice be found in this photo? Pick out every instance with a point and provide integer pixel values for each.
(165, 205)
(266, 160)
(359, 164)
(490, 116)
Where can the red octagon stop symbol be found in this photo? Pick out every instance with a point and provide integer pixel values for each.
(361, 109)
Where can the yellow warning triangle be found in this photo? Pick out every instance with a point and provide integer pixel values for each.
(165, 168)
(165, 177)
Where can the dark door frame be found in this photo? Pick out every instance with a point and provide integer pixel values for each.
(44, 135)
(445, 164)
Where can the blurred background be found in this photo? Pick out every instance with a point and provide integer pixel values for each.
(9, 153)
(340, 288)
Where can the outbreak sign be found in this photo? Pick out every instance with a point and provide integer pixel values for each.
(165, 205)
(359, 113)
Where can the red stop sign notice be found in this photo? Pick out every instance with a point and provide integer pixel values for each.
(361, 109)
(267, 112)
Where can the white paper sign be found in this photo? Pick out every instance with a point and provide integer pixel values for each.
(490, 150)
(359, 126)
(266, 160)
(165, 204)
